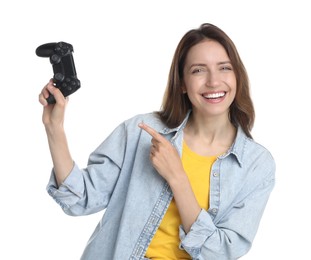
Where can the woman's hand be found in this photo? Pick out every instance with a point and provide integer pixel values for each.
(53, 114)
(164, 156)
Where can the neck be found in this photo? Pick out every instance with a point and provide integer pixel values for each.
(211, 130)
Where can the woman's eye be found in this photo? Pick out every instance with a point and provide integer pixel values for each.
(225, 68)
(198, 70)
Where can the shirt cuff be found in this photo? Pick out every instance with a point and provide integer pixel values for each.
(201, 229)
(70, 191)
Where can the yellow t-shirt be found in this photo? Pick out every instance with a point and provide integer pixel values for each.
(165, 243)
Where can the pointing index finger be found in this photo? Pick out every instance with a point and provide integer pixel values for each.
(150, 131)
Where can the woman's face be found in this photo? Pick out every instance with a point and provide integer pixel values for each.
(209, 79)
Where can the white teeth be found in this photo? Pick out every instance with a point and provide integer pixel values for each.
(215, 95)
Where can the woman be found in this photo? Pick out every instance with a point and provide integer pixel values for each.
(187, 182)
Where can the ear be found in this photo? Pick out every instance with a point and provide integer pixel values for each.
(183, 88)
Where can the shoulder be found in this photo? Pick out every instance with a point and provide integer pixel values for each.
(252, 154)
(152, 119)
(257, 149)
(260, 157)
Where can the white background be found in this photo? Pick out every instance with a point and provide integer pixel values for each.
(123, 51)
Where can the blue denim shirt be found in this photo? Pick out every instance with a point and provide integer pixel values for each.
(120, 179)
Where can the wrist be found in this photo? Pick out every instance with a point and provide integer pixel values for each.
(178, 180)
(56, 135)
(52, 130)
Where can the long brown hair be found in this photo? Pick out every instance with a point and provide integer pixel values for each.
(176, 104)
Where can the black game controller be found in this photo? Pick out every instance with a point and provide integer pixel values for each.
(65, 76)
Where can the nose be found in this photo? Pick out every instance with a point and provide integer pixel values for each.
(212, 79)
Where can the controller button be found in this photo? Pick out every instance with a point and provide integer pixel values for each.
(59, 76)
(55, 59)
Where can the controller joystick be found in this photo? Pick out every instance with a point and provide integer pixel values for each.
(61, 58)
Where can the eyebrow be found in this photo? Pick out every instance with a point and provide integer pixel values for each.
(197, 65)
(204, 65)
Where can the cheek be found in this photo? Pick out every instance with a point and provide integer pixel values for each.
(193, 83)
(233, 89)
(232, 83)
(233, 93)
(187, 86)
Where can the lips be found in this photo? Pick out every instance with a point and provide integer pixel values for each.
(214, 95)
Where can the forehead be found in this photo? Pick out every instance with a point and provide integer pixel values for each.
(207, 51)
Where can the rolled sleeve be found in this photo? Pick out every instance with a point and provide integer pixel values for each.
(201, 229)
(70, 191)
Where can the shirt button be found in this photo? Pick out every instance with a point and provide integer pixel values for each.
(214, 211)
(215, 174)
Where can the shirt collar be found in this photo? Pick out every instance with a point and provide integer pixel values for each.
(167, 130)
(237, 149)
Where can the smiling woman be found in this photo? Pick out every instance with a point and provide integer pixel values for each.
(227, 59)
(186, 182)
(209, 79)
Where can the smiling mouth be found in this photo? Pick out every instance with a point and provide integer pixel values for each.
(214, 95)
